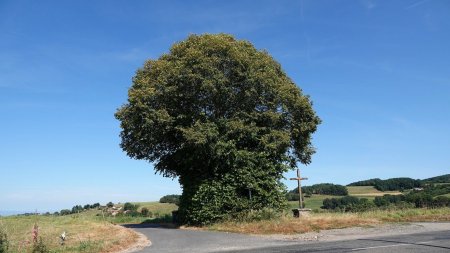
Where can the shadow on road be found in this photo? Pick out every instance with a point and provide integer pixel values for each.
(152, 225)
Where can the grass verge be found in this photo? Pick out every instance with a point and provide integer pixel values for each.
(324, 221)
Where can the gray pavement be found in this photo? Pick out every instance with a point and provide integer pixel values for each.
(165, 240)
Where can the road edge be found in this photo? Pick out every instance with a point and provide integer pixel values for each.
(141, 243)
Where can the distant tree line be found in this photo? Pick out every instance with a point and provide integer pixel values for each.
(438, 179)
(322, 189)
(368, 182)
(430, 197)
(78, 209)
(391, 184)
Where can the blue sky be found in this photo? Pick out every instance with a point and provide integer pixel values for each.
(377, 71)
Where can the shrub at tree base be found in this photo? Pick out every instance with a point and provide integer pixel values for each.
(224, 119)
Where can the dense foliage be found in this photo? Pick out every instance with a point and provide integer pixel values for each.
(347, 204)
(173, 199)
(130, 207)
(438, 179)
(225, 119)
(391, 184)
(396, 184)
(368, 182)
(293, 196)
(323, 189)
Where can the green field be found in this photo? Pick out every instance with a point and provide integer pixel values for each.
(368, 192)
(313, 202)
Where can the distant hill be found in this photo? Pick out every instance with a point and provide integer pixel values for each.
(400, 183)
(391, 184)
(368, 182)
(438, 179)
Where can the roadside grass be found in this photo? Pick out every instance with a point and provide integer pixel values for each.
(322, 221)
(84, 231)
(290, 225)
(368, 191)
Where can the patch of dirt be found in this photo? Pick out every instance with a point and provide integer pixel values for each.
(364, 232)
(138, 242)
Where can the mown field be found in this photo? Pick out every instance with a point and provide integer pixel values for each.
(368, 191)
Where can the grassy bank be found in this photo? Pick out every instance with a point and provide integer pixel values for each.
(322, 221)
(85, 233)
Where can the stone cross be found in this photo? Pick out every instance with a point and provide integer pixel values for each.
(298, 178)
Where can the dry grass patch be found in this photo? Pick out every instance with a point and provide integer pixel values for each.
(410, 215)
(290, 225)
(324, 221)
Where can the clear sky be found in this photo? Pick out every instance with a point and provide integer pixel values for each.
(377, 71)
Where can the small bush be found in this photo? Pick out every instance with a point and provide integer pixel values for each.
(4, 244)
(145, 212)
(130, 207)
(40, 247)
(65, 212)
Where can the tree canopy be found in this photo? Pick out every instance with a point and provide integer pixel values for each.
(222, 117)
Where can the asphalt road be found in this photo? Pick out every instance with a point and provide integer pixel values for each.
(166, 240)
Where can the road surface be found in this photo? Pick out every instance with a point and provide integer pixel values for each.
(165, 240)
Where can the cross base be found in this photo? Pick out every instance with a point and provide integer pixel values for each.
(297, 212)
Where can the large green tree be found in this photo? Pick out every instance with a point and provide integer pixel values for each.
(222, 117)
